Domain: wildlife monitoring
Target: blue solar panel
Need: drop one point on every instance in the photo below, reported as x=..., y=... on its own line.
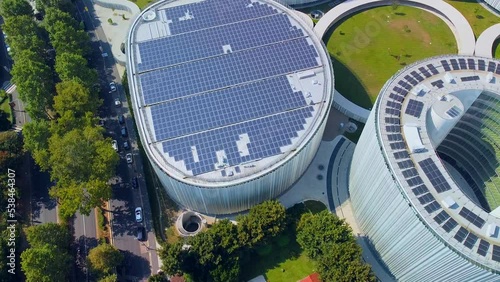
x=209, y=42
x=210, y=13
x=223, y=71
x=231, y=105
x=266, y=136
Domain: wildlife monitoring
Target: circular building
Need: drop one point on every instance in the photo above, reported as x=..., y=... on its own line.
x=231, y=98
x=425, y=175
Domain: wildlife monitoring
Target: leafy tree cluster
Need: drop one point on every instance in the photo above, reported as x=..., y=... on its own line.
x=329, y=241
x=103, y=261
x=47, y=259
x=31, y=71
x=215, y=255
x=68, y=144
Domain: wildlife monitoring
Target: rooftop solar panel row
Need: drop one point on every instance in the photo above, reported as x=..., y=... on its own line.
x=471, y=217
x=435, y=177
x=222, y=71
x=209, y=13
x=204, y=43
x=231, y=105
x=266, y=137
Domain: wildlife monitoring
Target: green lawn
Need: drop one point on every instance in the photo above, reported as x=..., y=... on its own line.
x=283, y=259
x=7, y=109
x=496, y=49
x=142, y=3
x=478, y=17
x=366, y=53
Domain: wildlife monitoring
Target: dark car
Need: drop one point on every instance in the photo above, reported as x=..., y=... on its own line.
x=126, y=145
x=135, y=182
x=124, y=131
x=141, y=233
x=121, y=119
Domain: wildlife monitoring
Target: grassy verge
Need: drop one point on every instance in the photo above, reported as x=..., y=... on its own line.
x=5, y=107
x=282, y=259
x=142, y=3
x=496, y=49
x=478, y=17
x=365, y=53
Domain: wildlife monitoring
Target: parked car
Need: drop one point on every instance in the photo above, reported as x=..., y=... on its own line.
x=138, y=214
x=141, y=233
x=126, y=146
x=129, y=158
x=124, y=131
x=112, y=87
x=135, y=182
x=121, y=119
x=118, y=103
x=114, y=144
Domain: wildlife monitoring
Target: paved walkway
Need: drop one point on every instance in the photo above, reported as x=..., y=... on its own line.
x=484, y=44
x=122, y=13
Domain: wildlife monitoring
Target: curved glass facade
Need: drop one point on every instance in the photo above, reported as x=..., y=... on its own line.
x=473, y=148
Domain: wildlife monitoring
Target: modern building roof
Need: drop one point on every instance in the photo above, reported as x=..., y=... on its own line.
x=226, y=90
x=430, y=98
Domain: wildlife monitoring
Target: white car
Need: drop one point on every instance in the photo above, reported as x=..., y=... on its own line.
x=129, y=159
x=112, y=87
x=114, y=144
x=138, y=214
x=118, y=103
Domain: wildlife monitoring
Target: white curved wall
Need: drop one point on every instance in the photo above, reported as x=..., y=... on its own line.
x=236, y=198
x=408, y=246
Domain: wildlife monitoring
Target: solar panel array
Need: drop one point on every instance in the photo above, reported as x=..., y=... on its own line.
x=204, y=43
x=435, y=177
x=472, y=217
x=414, y=108
x=227, y=70
x=216, y=87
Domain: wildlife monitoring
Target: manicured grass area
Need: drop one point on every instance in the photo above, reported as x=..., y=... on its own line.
x=4, y=106
x=142, y=3
x=478, y=17
x=283, y=259
x=371, y=46
x=496, y=49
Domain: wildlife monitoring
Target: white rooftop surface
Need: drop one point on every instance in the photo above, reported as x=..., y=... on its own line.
x=452, y=200
x=313, y=83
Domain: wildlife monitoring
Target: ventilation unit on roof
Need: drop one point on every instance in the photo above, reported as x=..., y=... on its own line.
x=149, y=16
x=492, y=230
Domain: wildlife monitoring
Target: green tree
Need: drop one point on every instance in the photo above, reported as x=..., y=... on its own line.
x=104, y=258
x=12, y=8
x=35, y=84
x=24, y=34
x=48, y=233
x=67, y=39
x=74, y=97
x=172, y=258
x=263, y=222
x=316, y=230
x=160, y=277
x=110, y=278
x=70, y=66
x=342, y=263
x=81, y=161
x=62, y=5
x=45, y=264
x=36, y=140
x=11, y=147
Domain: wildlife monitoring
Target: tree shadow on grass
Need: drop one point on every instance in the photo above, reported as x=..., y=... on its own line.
x=348, y=84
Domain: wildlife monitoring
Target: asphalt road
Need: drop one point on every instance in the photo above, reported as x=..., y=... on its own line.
x=140, y=257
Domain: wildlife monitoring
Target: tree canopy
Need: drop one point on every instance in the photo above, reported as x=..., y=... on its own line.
x=70, y=66
x=12, y=8
x=48, y=233
x=265, y=220
x=73, y=97
x=45, y=264
x=104, y=259
x=330, y=242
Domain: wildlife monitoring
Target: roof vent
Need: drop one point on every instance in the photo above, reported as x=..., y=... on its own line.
x=449, y=202
x=149, y=16
x=492, y=230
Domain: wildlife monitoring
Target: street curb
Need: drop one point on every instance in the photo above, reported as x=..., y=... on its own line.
x=110, y=216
